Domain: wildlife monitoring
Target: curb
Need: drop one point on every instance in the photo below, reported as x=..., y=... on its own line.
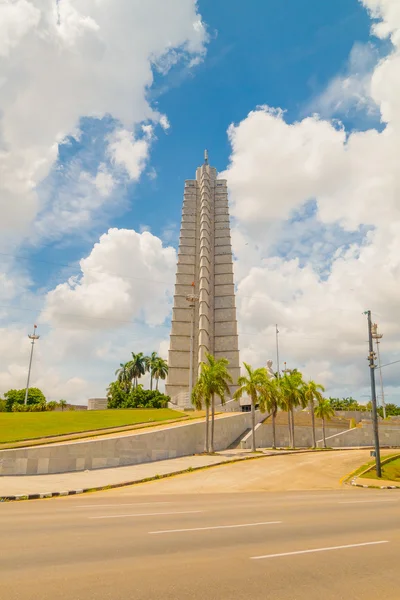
x=39, y=496
x=374, y=487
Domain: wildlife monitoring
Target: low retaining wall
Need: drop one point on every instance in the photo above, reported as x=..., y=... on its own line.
x=364, y=436
x=141, y=447
x=302, y=435
x=229, y=406
x=357, y=415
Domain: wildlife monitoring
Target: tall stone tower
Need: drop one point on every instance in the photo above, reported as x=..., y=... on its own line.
x=204, y=313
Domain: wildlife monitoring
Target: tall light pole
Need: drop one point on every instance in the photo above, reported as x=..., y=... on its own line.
x=192, y=299
x=377, y=337
x=32, y=337
x=371, y=360
x=277, y=350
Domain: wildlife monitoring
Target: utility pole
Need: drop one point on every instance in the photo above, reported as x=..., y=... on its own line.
x=32, y=337
x=377, y=337
x=277, y=350
x=371, y=360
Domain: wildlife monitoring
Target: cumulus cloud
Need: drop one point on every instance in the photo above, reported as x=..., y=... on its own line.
x=129, y=153
x=16, y=19
x=276, y=169
x=62, y=61
x=119, y=303
x=388, y=14
x=128, y=275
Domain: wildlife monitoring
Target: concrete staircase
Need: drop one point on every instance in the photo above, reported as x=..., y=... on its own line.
x=237, y=443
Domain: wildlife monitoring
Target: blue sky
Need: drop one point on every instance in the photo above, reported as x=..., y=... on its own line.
x=313, y=200
x=263, y=53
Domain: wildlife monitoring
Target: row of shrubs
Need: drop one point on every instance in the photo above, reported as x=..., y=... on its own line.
x=136, y=397
x=14, y=401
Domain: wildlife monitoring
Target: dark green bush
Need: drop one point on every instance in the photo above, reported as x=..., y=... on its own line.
x=35, y=397
x=135, y=398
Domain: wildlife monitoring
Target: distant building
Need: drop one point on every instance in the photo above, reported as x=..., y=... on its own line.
x=73, y=406
x=97, y=403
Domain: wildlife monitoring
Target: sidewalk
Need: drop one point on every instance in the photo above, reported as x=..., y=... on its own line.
x=45, y=486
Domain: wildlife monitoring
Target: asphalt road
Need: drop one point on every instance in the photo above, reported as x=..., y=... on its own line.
x=338, y=544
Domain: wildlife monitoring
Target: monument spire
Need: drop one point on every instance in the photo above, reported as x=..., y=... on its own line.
x=204, y=312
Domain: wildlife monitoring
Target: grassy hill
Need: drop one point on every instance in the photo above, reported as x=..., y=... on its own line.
x=390, y=470
x=27, y=426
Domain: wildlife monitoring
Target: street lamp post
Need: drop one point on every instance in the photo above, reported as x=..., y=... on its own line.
x=32, y=337
x=371, y=360
x=277, y=350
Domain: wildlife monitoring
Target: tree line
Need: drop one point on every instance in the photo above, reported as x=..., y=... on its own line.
x=127, y=392
x=268, y=393
x=14, y=401
x=392, y=410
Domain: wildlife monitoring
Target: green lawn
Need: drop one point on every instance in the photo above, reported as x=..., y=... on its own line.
x=390, y=471
x=24, y=426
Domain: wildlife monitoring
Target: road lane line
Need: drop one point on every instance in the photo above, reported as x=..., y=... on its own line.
x=184, y=512
x=216, y=527
x=368, y=501
x=116, y=505
x=318, y=550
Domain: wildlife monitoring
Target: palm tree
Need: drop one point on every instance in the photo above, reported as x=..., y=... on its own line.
x=150, y=362
x=271, y=400
x=291, y=385
x=250, y=385
x=213, y=381
x=136, y=367
x=63, y=404
x=123, y=376
x=159, y=370
x=323, y=411
x=312, y=392
x=200, y=395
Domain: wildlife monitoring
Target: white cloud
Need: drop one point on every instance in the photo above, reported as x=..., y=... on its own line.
x=62, y=61
x=128, y=275
x=129, y=153
x=289, y=163
x=16, y=19
x=388, y=14
x=275, y=169
x=165, y=124
x=104, y=181
x=93, y=321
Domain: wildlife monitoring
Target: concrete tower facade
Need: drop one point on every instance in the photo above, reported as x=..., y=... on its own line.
x=204, y=313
